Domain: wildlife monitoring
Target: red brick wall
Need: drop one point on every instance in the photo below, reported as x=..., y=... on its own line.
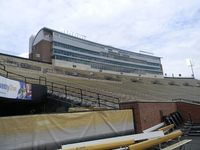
x=146, y=114
x=185, y=109
x=44, y=49
x=150, y=113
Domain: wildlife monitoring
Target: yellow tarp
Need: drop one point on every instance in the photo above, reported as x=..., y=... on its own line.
x=49, y=131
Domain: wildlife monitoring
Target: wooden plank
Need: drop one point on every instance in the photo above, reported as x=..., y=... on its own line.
x=156, y=127
x=103, y=146
x=134, y=137
x=176, y=145
x=145, y=136
x=155, y=141
x=166, y=128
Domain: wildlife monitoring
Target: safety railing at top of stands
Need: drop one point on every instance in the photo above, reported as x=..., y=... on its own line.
x=186, y=100
x=19, y=77
x=101, y=100
x=84, y=95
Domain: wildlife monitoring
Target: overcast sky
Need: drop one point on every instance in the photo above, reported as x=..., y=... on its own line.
x=167, y=28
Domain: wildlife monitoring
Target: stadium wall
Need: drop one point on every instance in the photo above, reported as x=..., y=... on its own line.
x=148, y=114
x=189, y=111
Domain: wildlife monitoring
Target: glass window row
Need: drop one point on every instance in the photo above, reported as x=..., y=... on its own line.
x=127, y=58
x=102, y=66
x=108, y=55
x=75, y=48
x=71, y=54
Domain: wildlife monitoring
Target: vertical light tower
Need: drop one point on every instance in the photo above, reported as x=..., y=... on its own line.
x=189, y=63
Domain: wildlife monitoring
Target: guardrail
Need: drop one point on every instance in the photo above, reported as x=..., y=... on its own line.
x=69, y=92
x=82, y=95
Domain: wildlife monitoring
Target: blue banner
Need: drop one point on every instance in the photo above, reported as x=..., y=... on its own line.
x=15, y=89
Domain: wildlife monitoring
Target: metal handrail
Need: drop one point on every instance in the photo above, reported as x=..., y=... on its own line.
x=70, y=90
x=79, y=93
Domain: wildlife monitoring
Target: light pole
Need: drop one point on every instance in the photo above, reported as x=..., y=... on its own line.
x=189, y=63
x=192, y=68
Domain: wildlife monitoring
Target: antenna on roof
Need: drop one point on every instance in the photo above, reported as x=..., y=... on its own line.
x=145, y=52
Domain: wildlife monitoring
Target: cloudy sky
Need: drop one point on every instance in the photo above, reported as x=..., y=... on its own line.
x=167, y=28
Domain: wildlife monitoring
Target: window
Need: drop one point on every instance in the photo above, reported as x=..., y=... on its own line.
x=103, y=63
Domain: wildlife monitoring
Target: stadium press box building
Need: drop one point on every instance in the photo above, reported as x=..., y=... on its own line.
x=65, y=50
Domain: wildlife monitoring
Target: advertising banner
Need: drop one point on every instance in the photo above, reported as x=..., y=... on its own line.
x=15, y=89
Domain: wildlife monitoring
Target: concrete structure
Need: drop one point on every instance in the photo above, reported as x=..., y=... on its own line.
x=65, y=50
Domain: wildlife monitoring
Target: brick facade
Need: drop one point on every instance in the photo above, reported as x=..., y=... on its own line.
x=43, y=48
x=187, y=110
x=148, y=114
